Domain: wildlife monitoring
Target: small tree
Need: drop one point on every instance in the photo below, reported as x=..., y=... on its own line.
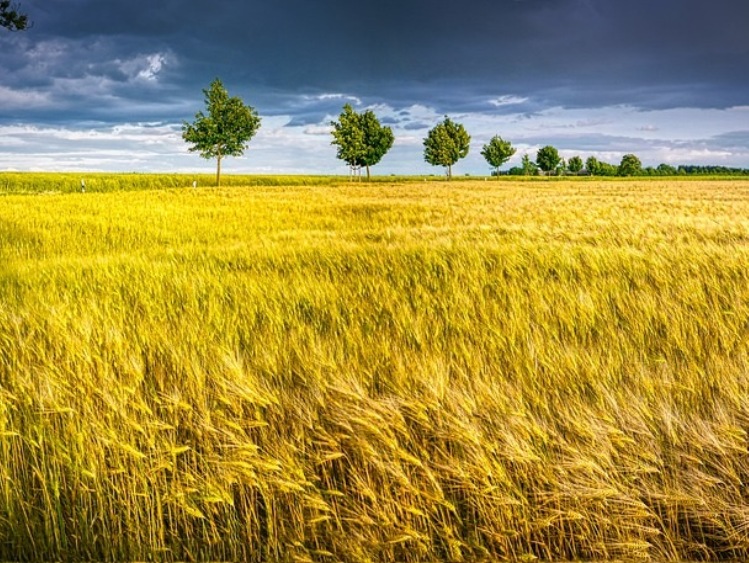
x=10, y=18
x=548, y=159
x=529, y=167
x=666, y=170
x=361, y=139
x=592, y=166
x=349, y=136
x=607, y=169
x=630, y=165
x=225, y=131
x=497, y=152
x=575, y=164
x=445, y=144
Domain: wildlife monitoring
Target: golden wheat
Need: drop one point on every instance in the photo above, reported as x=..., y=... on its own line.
x=388, y=372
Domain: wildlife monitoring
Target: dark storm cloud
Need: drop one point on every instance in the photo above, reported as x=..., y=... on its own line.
x=452, y=55
x=733, y=140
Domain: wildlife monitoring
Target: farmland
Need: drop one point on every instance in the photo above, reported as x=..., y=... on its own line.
x=396, y=371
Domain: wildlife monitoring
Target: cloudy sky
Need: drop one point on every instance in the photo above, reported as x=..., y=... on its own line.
x=105, y=85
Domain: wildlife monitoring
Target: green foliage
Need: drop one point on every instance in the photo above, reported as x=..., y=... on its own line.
x=592, y=165
x=348, y=135
x=529, y=167
x=711, y=170
x=597, y=168
x=361, y=139
x=575, y=164
x=666, y=170
x=630, y=165
x=10, y=18
x=497, y=152
x=225, y=131
x=548, y=158
x=445, y=144
x=607, y=169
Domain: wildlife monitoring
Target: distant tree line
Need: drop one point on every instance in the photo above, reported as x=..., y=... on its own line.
x=548, y=163
x=362, y=141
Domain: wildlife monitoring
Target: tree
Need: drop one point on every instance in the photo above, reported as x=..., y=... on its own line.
x=666, y=170
x=606, y=169
x=575, y=164
x=10, y=18
x=630, y=165
x=548, y=159
x=445, y=144
x=592, y=165
x=497, y=152
x=349, y=136
x=361, y=139
x=529, y=167
x=225, y=131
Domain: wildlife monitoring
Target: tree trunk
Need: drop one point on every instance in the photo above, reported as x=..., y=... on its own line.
x=449, y=171
x=218, y=171
x=367, y=172
x=497, y=172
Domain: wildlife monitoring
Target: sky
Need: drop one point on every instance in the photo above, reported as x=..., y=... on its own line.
x=105, y=85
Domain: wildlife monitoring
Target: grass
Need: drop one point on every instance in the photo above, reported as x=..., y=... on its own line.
x=385, y=372
x=46, y=182
x=100, y=182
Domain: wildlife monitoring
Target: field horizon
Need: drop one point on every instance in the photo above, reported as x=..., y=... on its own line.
x=31, y=182
x=319, y=370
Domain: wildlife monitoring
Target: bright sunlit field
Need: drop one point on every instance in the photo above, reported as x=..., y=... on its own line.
x=413, y=371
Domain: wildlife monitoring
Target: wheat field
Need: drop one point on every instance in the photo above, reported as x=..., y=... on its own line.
x=406, y=371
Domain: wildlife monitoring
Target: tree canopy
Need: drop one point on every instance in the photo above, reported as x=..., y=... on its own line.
x=11, y=18
x=497, y=152
x=225, y=131
x=666, y=170
x=361, y=139
x=529, y=167
x=630, y=165
x=575, y=164
x=548, y=158
x=445, y=144
x=592, y=165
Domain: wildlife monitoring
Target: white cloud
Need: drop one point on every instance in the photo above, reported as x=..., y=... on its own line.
x=155, y=64
x=507, y=100
x=143, y=67
x=317, y=130
x=124, y=147
x=22, y=99
x=691, y=155
x=336, y=96
x=685, y=136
